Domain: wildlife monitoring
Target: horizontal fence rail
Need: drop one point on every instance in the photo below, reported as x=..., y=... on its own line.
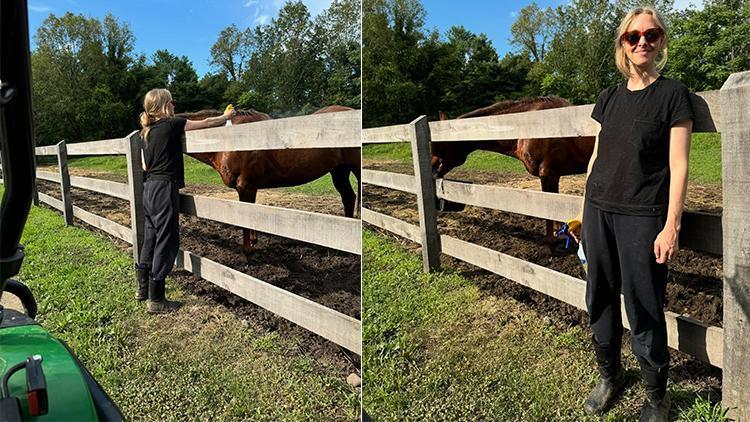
x=335, y=232
x=685, y=334
x=115, y=189
x=326, y=130
x=700, y=231
x=552, y=123
x=323, y=321
x=327, y=323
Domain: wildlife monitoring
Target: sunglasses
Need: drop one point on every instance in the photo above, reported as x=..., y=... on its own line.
x=173, y=102
x=652, y=35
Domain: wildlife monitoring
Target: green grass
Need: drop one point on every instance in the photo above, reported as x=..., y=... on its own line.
x=705, y=158
x=199, y=173
x=435, y=349
x=200, y=361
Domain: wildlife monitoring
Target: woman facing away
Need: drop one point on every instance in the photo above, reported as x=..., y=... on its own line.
x=633, y=203
x=163, y=177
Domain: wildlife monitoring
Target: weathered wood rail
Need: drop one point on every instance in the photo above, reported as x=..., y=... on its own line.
x=726, y=111
x=319, y=131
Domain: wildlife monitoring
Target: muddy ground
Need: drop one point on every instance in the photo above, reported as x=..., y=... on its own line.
x=326, y=276
x=695, y=278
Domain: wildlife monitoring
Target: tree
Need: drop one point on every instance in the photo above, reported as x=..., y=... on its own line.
x=533, y=30
x=710, y=44
x=340, y=29
x=80, y=79
x=232, y=51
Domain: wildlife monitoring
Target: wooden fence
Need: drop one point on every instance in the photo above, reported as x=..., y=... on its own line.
x=726, y=111
x=316, y=131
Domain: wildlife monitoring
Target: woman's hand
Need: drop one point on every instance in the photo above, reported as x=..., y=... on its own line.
x=229, y=112
x=666, y=245
x=574, y=228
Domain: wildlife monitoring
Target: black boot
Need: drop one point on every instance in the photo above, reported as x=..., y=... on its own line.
x=157, y=303
x=656, y=408
x=141, y=278
x=611, y=380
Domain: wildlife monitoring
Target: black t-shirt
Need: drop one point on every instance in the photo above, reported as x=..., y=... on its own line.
x=163, y=150
x=631, y=171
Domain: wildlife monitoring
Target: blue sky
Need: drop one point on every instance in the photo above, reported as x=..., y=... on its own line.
x=186, y=28
x=491, y=17
x=190, y=27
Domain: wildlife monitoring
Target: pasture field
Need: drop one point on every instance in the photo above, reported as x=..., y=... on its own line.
x=201, y=361
x=195, y=173
x=705, y=158
x=436, y=347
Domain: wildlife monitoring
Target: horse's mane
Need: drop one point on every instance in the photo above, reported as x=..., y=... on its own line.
x=518, y=106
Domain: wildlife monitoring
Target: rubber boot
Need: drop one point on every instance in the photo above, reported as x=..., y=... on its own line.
x=141, y=278
x=157, y=303
x=658, y=403
x=611, y=380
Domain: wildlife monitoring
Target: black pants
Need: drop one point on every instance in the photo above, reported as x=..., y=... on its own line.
x=620, y=253
x=161, y=238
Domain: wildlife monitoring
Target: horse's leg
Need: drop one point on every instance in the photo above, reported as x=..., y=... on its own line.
x=340, y=177
x=550, y=184
x=249, y=237
x=358, y=205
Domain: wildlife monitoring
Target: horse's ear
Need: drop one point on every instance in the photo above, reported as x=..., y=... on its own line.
x=442, y=115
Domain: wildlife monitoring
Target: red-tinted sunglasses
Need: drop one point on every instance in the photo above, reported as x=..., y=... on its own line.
x=173, y=102
x=652, y=35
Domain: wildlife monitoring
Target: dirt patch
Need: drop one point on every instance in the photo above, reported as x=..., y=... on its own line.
x=326, y=276
x=695, y=278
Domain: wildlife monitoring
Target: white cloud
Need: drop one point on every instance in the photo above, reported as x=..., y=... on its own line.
x=250, y=3
x=39, y=9
x=260, y=20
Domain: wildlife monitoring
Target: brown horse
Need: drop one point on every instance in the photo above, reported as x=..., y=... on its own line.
x=548, y=159
x=248, y=171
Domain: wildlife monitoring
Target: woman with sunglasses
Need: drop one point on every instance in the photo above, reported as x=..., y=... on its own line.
x=163, y=177
x=633, y=202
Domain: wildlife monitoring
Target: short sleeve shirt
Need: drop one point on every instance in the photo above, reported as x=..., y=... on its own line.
x=631, y=171
x=163, y=151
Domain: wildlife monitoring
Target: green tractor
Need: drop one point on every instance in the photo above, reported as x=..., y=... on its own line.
x=40, y=377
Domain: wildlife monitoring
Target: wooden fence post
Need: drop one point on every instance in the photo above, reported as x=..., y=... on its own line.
x=133, y=150
x=422, y=158
x=34, y=189
x=735, y=151
x=62, y=163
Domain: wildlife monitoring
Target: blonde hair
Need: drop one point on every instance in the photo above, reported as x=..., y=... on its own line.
x=154, y=109
x=621, y=58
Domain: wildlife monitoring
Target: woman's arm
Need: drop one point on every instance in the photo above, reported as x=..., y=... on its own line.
x=576, y=232
x=666, y=243
x=210, y=122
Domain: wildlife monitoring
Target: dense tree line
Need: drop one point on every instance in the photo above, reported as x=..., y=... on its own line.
x=566, y=51
x=88, y=83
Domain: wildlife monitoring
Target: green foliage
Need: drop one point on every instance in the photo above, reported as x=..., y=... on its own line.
x=710, y=44
x=409, y=71
x=88, y=84
x=567, y=51
x=82, y=86
x=294, y=64
x=703, y=410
